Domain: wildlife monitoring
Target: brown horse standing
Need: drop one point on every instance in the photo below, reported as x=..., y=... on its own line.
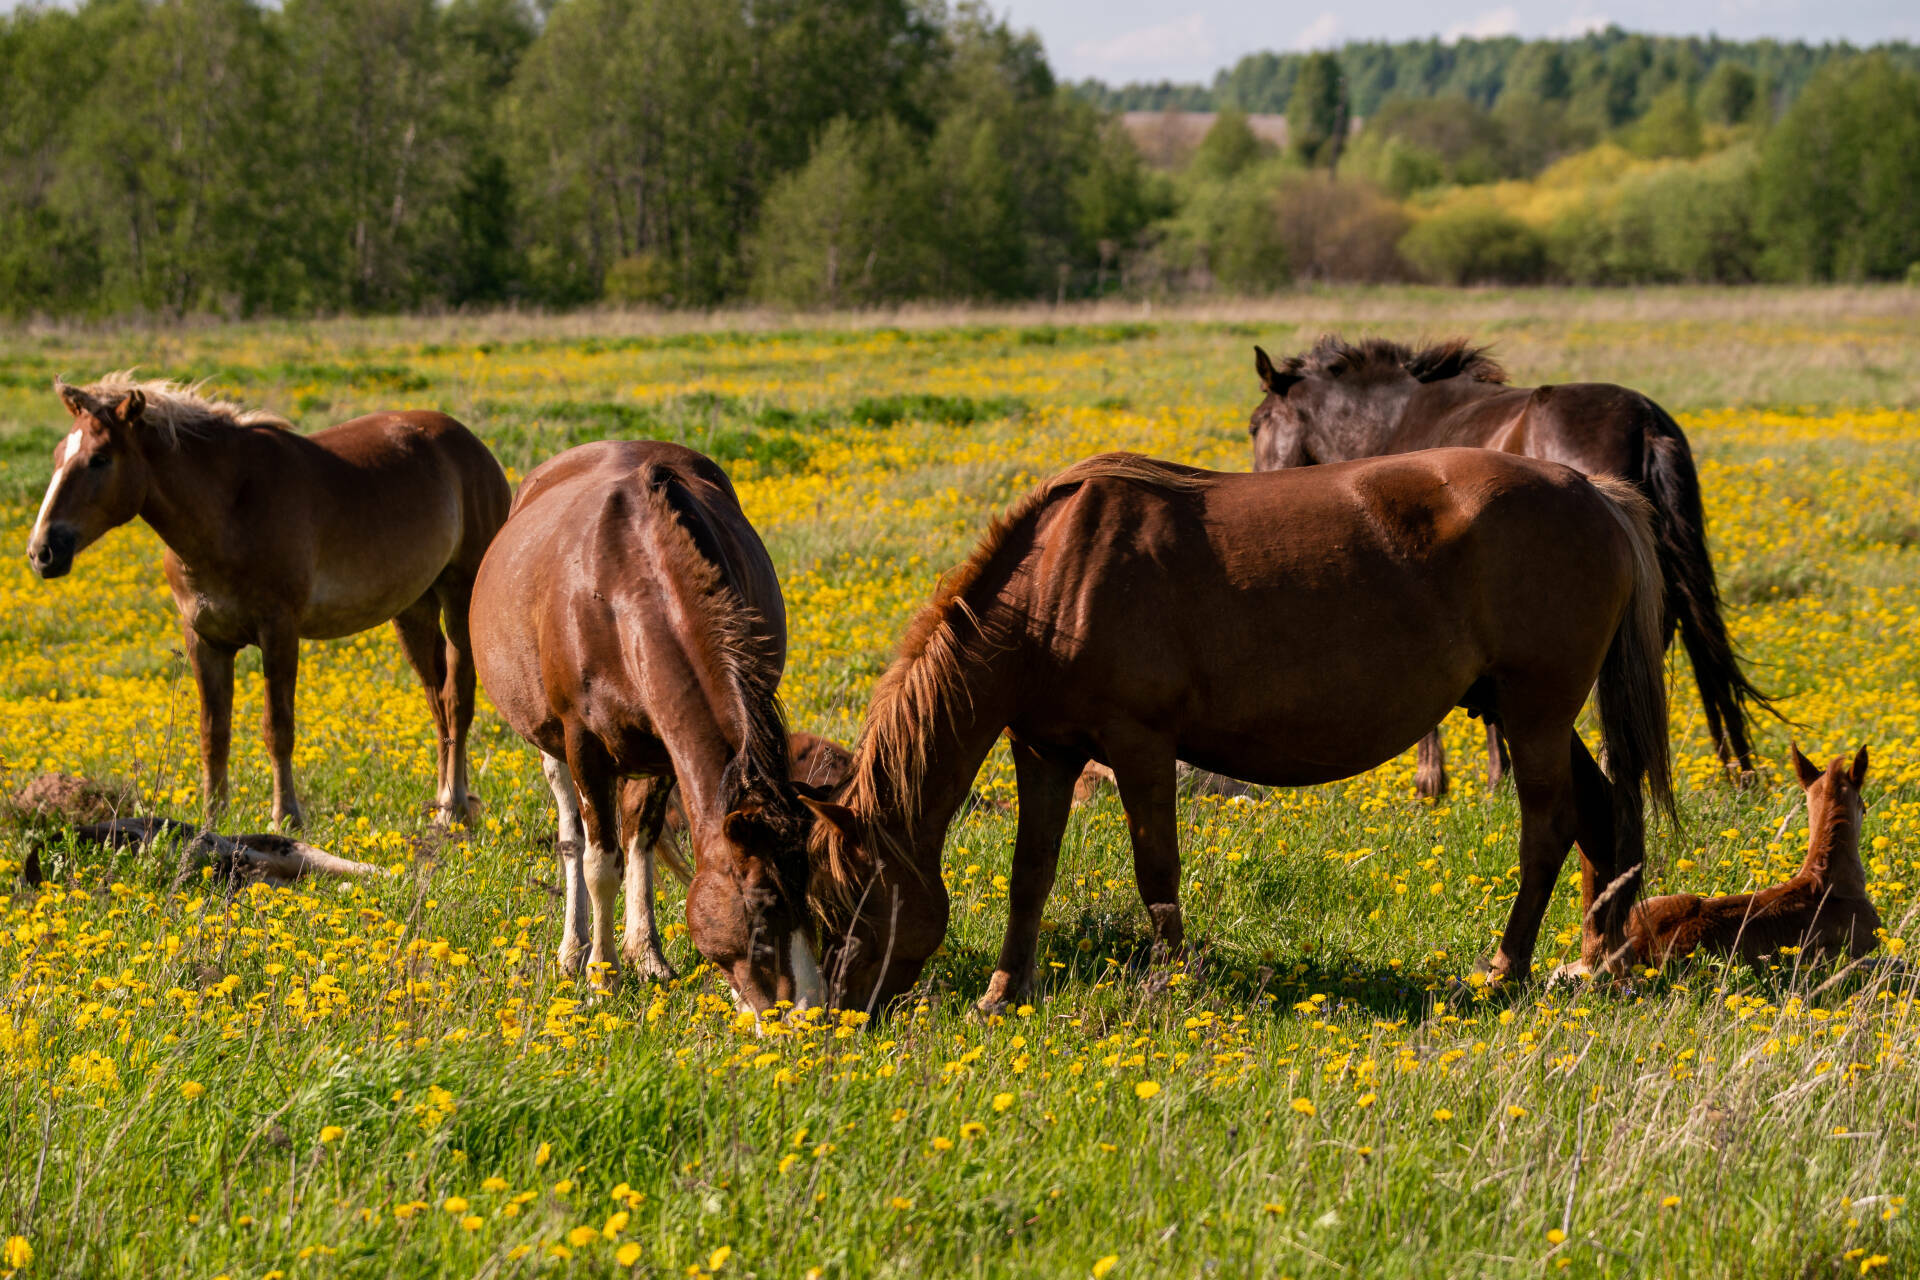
x=273, y=537
x=1343, y=400
x=1289, y=628
x=627, y=621
x=1824, y=908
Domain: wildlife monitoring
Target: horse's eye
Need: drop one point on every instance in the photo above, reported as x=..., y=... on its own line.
x=99, y=460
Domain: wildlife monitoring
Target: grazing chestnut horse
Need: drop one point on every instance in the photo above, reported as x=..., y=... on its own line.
x=273, y=537
x=812, y=761
x=1343, y=400
x=1289, y=628
x=627, y=622
x=1823, y=909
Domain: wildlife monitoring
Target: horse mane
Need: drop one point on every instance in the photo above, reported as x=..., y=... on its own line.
x=928, y=675
x=1333, y=357
x=758, y=774
x=178, y=409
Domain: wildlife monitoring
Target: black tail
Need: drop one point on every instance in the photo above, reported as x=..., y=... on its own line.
x=1693, y=597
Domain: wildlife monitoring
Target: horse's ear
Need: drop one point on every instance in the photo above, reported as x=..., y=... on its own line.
x=73, y=397
x=128, y=411
x=1272, y=380
x=1859, y=771
x=1808, y=771
x=837, y=816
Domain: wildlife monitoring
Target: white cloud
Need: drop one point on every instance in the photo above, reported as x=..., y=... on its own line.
x=1188, y=39
x=1494, y=22
x=1318, y=34
x=1579, y=25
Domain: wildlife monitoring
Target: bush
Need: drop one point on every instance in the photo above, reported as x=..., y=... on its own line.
x=1340, y=230
x=1474, y=244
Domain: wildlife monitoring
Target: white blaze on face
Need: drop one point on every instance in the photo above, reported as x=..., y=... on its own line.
x=809, y=988
x=63, y=455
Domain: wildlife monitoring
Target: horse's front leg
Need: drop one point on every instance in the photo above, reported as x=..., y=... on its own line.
x=280, y=666
x=1549, y=819
x=457, y=698
x=640, y=831
x=1430, y=769
x=1045, y=784
x=1145, y=772
x=213, y=675
x=598, y=788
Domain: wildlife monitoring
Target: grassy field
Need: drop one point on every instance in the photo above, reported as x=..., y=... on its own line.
x=389, y=1078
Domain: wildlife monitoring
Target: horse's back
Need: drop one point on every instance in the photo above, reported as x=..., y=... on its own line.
x=583, y=557
x=1597, y=428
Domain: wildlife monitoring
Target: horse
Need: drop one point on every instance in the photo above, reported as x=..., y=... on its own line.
x=628, y=622
x=1823, y=909
x=812, y=761
x=1289, y=628
x=1341, y=400
x=273, y=537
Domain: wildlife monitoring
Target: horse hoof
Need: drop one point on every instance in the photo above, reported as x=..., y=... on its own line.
x=650, y=966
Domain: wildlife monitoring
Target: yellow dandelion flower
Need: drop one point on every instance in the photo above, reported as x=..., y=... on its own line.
x=1442, y=1115
x=456, y=1205
x=1670, y=1202
x=544, y=1154
x=972, y=1129
x=472, y=1222
x=1146, y=1089
x=17, y=1253
x=581, y=1237
x=1366, y=1099
x=1556, y=1236
x=192, y=1089
x=627, y=1254
x=901, y=1203
x=1103, y=1265
x=1001, y=1101
x=1516, y=1113
x=331, y=1133
x=1304, y=1106
x=718, y=1258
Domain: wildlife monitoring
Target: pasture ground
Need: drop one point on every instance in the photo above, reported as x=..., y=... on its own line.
x=387, y=1078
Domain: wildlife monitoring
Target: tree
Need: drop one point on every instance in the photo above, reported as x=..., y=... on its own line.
x=1671, y=127
x=1230, y=146
x=1317, y=112
x=1730, y=95
x=1839, y=183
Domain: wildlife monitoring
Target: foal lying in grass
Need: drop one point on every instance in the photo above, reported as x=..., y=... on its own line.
x=1822, y=909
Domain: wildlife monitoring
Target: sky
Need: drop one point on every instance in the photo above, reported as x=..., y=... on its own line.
x=1188, y=40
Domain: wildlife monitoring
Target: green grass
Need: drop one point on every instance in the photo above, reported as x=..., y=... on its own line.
x=1304, y=1054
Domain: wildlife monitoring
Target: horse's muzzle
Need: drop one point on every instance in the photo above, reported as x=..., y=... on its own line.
x=53, y=557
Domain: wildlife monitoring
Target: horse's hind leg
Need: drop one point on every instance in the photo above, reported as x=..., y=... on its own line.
x=571, y=846
x=456, y=693
x=418, y=629
x=1046, y=783
x=1145, y=773
x=639, y=832
x=1607, y=888
x=1430, y=771
x=213, y=675
x=280, y=667
x=1543, y=778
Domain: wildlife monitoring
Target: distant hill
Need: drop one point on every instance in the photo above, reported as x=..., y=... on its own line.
x=1612, y=75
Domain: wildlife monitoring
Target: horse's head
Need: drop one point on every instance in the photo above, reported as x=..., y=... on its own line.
x=1340, y=400
x=1835, y=809
x=747, y=907
x=880, y=917
x=99, y=479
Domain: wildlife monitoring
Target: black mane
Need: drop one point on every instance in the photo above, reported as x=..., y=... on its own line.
x=1333, y=357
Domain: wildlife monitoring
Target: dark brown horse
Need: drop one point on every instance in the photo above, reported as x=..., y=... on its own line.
x=627, y=622
x=273, y=537
x=1343, y=400
x=1290, y=629
x=812, y=761
x=1823, y=909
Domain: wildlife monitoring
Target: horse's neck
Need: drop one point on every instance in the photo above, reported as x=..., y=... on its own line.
x=1833, y=856
x=958, y=740
x=189, y=496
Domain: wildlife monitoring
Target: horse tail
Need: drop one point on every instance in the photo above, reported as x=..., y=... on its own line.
x=1692, y=596
x=1632, y=690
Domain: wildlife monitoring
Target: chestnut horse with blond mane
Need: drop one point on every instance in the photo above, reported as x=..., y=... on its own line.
x=273, y=537
x=1289, y=628
x=628, y=623
x=1823, y=909
x=1344, y=400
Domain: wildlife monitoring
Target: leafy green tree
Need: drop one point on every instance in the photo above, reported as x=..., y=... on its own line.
x=1730, y=94
x=1317, y=111
x=1839, y=180
x=1670, y=127
x=1230, y=146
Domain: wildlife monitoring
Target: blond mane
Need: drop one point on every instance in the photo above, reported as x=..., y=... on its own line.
x=176, y=408
x=928, y=678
